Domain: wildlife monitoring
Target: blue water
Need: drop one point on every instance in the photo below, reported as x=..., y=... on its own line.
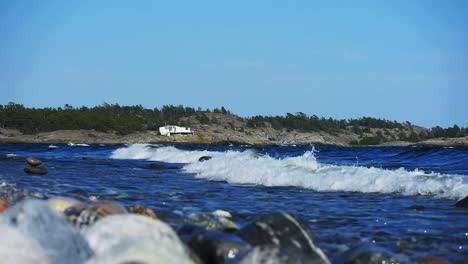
x=400, y=198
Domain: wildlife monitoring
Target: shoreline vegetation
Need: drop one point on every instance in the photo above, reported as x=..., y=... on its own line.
x=115, y=124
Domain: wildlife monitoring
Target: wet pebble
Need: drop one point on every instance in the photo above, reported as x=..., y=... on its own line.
x=33, y=161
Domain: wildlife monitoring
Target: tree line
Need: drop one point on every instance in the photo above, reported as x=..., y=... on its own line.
x=127, y=119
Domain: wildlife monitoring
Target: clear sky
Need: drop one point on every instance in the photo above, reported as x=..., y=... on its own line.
x=399, y=60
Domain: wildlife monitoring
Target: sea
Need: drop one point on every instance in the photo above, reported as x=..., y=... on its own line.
x=399, y=198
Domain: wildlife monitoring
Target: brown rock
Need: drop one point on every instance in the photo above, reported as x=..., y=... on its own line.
x=138, y=209
x=86, y=215
x=35, y=170
x=33, y=161
x=3, y=206
x=430, y=260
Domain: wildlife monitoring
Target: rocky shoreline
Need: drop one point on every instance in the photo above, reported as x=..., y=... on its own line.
x=210, y=135
x=40, y=229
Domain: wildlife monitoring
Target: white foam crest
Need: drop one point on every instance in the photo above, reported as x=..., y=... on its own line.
x=302, y=171
x=305, y=172
x=165, y=154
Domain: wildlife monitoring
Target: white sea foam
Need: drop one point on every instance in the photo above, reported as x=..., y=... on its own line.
x=165, y=154
x=302, y=171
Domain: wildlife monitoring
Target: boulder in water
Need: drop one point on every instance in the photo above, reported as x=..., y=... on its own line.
x=266, y=254
x=35, y=170
x=204, y=158
x=370, y=253
x=463, y=203
x=212, y=246
x=33, y=161
x=59, y=239
x=15, y=247
x=288, y=233
x=134, y=238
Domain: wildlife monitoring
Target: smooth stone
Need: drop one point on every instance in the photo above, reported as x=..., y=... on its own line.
x=204, y=158
x=212, y=246
x=35, y=170
x=117, y=234
x=463, y=203
x=138, y=209
x=138, y=251
x=33, y=161
x=60, y=204
x=211, y=222
x=15, y=247
x=288, y=233
x=371, y=254
x=35, y=219
x=265, y=255
x=93, y=213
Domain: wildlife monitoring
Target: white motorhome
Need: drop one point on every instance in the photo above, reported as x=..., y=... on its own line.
x=175, y=130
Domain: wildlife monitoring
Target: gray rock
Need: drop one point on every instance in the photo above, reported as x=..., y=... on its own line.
x=463, y=203
x=287, y=232
x=212, y=246
x=370, y=254
x=82, y=215
x=266, y=255
x=215, y=222
x=15, y=247
x=37, y=220
x=134, y=238
x=215, y=247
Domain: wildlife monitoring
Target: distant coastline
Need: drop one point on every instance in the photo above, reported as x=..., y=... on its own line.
x=115, y=124
x=208, y=137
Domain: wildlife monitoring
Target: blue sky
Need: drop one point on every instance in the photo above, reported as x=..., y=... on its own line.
x=399, y=60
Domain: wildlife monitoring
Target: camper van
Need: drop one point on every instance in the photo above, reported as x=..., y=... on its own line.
x=175, y=130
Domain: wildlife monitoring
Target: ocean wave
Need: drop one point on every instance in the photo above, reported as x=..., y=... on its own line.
x=164, y=154
x=246, y=167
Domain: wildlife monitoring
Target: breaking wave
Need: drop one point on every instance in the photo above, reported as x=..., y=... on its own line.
x=246, y=167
